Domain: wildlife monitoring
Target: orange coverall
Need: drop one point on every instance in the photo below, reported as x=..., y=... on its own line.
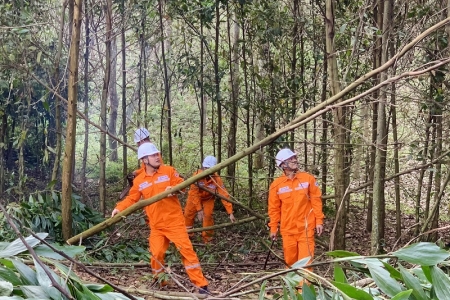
x=199, y=199
x=166, y=221
x=296, y=205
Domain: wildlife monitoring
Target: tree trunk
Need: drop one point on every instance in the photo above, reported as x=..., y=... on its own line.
x=217, y=85
x=124, y=98
x=378, y=216
x=69, y=151
x=3, y=129
x=202, y=95
x=86, y=106
x=167, y=101
x=102, y=158
x=56, y=86
x=337, y=241
x=113, y=101
x=234, y=84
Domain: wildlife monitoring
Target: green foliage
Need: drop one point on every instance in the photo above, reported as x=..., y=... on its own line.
x=41, y=212
x=19, y=281
x=392, y=279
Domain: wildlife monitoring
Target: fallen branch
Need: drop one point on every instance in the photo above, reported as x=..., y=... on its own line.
x=223, y=225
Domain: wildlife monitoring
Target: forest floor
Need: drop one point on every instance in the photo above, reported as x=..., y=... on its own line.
x=237, y=256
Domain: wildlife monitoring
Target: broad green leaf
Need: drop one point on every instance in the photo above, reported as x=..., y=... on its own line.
x=352, y=291
x=413, y=283
x=99, y=288
x=402, y=295
x=394, y=272
x=115, y=296
x=6, y=288
x=427, y=272
x=46, y=283
x=307, y=293
x=10, y=276
x=66, y=271
x=441, y=283
x=384, y=281
x=341, y=253
x=27, y=274
x=424, y=254
x=17, y=246
x=301, y=263
x=35, y=292
x=339, y=275
x=289, y=287
x=71, y=251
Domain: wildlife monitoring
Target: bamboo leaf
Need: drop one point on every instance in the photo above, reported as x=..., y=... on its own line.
x=339, y=275
x=10, y=276
x=27, y=274
x=441, y=283
x=424, y=254
x=34, y=292
x=307, y=293
x=341, y=253
x=17, y=246
x=384, y=281
x=46, y=283
x=45, y=251
x=351, y=291
x=413, y=283
x=301, y=263
x=402, y=295
x=99, y=288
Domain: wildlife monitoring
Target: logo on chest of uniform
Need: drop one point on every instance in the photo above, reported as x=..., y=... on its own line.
x=302, y=185
x=211, y=186
x=144, y=185
x=284, y=189
x=162, y=178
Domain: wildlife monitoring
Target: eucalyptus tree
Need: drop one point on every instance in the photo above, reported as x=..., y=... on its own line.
x=341, y=173
x=69, y=150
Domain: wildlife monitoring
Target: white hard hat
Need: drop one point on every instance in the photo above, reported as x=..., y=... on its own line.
x=147, y=149
x=140, y=134
x=209, y=162
x=283, y=155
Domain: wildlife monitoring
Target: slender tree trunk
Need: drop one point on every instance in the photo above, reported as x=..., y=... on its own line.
x=294, y=84
x=421, y=176
x=113, y=101
x=102, y=175
x=167, y=100
x=249, y=116
x=58, y=127
x=217, y=84
x=124, y=97
x=376, y=63
x=378, y=217
x=3, y=129
x=202, y=102
x=340, y=171
x=86, y=104
x=69, y=151
x=234, y=82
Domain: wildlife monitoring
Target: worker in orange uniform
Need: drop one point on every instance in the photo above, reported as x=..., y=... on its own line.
x=201, y=202
x=166, y=216
x=295, y=205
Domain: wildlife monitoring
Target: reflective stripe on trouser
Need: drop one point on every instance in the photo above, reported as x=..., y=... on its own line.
x=159, y=242
x=208, y=220
x=298, y=246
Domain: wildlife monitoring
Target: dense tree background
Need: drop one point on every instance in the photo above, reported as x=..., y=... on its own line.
x=215, y=77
